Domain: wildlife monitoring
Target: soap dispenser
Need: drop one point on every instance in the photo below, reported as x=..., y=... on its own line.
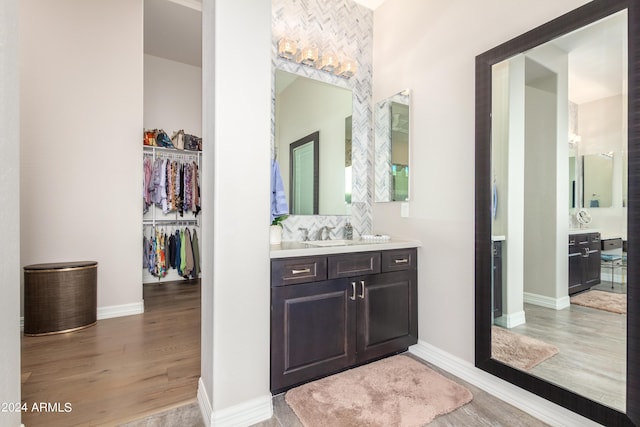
x=348, y=231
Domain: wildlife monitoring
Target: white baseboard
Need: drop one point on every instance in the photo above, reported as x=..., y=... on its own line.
x=205, y=404
x=530, y=403
x=511, y=320
x=244, y=414
x=111, y=311
x=548, y=302
x=120, y=310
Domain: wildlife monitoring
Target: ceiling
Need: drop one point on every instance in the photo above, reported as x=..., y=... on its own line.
x=173, y=30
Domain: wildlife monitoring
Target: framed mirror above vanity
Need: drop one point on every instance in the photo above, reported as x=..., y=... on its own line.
x=313, y=128
x=391, y=122
x=556, y=105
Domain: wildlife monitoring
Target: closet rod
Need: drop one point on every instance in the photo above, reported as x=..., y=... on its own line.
x=168, y=221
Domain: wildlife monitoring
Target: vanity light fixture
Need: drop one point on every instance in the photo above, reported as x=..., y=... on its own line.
x=574, y=138
x=347, y=68
x=287, y=49
x=308, y=56
x=311, y=56
x=329, y=62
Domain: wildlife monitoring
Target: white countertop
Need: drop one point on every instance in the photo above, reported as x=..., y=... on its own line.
x=295, y=249
x=583, y=230
x=498, y=238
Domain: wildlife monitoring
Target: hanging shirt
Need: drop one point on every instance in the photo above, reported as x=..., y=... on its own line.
x=196, y=254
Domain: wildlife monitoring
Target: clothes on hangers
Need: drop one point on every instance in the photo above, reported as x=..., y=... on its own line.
x=172, y=185
x=177, y=250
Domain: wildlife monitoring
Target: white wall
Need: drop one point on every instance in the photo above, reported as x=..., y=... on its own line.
x=172, y=96
x=81, y=139
x=430, y=47
x=9, y=212
x=235, y=278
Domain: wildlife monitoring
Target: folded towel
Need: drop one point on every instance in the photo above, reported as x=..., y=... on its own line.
x=279, y=204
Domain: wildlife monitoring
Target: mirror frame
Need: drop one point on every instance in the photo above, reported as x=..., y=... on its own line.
x=584, y=15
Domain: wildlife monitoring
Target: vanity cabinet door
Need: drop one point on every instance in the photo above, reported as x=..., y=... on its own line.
x=387, y=313
x=584, y=261
x=592, y=264
x=312, y=331
x=497, y=279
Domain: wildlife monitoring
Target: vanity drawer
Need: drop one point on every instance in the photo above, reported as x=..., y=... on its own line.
x=400, y=259
x=291, y=271
x=608, y=244
x=350, y=265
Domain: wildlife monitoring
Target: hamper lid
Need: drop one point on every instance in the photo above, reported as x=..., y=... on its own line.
x=60, y=265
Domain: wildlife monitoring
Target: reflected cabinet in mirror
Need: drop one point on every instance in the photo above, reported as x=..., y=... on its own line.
x=313, y=144
x=557, y=304
x=391, y=122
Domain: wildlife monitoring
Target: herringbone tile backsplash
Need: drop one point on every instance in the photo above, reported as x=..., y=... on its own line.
x=344, y=27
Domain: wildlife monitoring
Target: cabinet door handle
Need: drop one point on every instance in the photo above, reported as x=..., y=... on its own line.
x=353, y=294
x=306, y=270
x=362, y=291
x=401, y=261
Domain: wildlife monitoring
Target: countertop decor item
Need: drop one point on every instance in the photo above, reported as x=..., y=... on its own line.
x=275, y=236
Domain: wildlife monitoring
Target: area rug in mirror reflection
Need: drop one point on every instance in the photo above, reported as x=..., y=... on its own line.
x=398, y=391
x=519, y=351
x=607, y=301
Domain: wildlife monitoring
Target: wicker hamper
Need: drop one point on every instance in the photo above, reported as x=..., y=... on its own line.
x=59, y=297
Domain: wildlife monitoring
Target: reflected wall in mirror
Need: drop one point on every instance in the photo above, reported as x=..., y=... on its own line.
x=391, y=121
x=597, y=176
x=304, y=106
x=559, y=92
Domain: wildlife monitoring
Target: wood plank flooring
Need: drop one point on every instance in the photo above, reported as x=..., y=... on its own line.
x=122, y=368
x=592, y=344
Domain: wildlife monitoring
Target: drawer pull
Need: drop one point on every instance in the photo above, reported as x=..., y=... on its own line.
x=353, y=294
x=401, y=261
x=306, y=270
x=362, y=291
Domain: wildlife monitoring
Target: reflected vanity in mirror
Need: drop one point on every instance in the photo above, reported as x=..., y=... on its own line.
x=391, y=122
x=561, y=91
x=313, y=144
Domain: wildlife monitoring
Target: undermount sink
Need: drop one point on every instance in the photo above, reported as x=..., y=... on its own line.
x=328, y=242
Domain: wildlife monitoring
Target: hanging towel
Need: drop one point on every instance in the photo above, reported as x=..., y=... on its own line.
x=279, y=204
x=494, y=203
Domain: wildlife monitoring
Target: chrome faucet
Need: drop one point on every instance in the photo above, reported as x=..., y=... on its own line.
x=305, y=234
x=321, y=233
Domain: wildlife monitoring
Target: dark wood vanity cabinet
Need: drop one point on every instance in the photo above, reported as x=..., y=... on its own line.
x=497, y=279
x=584, y=261
x=365, y=309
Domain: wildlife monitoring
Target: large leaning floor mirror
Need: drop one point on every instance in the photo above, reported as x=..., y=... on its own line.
x=557, y=216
